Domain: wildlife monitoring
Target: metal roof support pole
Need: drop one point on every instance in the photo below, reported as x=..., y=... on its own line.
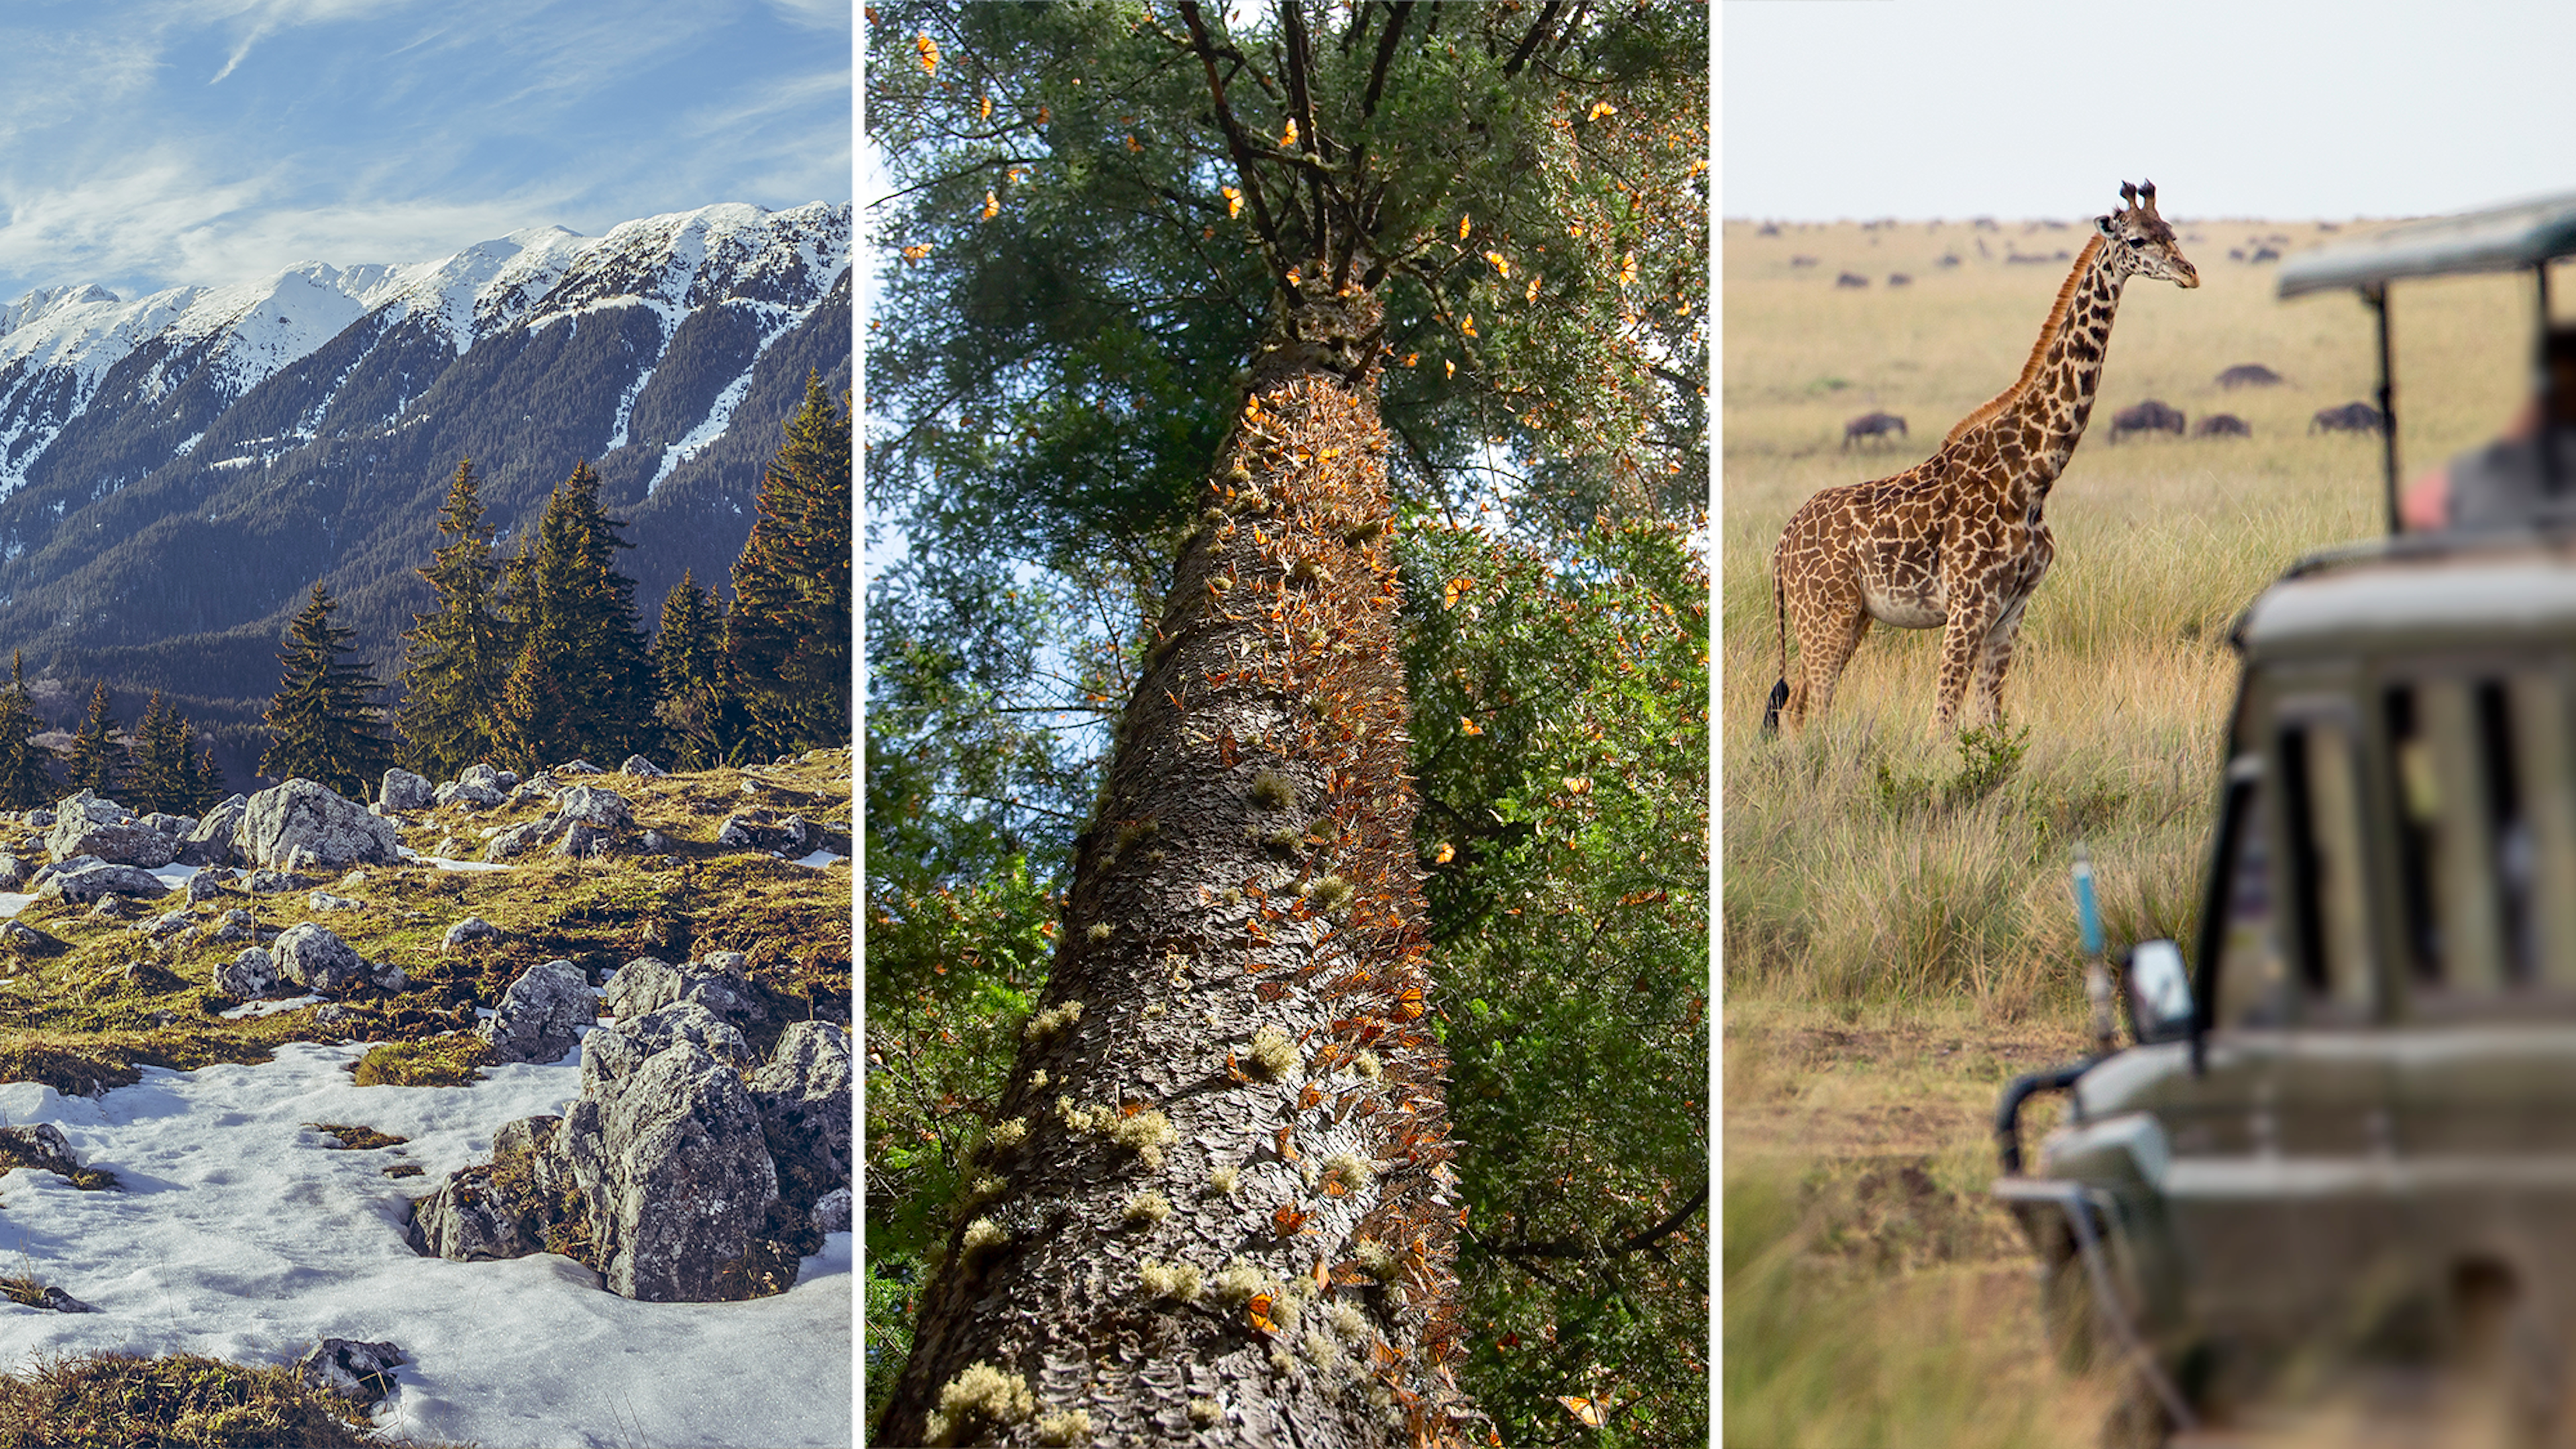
x=2377, y=297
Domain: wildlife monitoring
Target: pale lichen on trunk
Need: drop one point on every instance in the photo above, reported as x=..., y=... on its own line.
x=1216, y=1206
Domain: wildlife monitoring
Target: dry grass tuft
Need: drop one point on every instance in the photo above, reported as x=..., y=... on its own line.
x=182, y=1401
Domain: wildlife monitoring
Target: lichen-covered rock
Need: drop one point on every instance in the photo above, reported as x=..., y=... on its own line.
x=87, y=879
x=608, y=1056
x=403, y=790
x=804, y=1099
x=359, y=1372
x=537, y=1017
x=518, y=838
x=468, y=931
x=598, y=808
x=235, y=925
x=468, y=1219
x=641, y=768
x=248, y=976
x=303, y=824
x=677, y=1181
x=581, y=842
x=205, y=886
x=13, y=872
x=271, y=882
x=313, y=957
x=321, y=901
x=832, y=1212
x=760, y=830
x=210, y=841
x=641, y=985
x=88, y=825
x=25, y=940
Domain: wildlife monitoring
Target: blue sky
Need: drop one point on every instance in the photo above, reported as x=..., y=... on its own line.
x=2039, y=108
x=154, y=143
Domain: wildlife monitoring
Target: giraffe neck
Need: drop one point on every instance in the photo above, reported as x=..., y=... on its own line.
x=2032, y=427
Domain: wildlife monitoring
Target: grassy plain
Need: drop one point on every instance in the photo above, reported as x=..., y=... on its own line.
x=1897, y=929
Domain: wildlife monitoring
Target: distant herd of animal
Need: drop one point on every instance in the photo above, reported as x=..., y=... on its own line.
x=2154, y=416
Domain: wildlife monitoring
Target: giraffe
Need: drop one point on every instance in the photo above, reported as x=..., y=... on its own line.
x=1957, y=542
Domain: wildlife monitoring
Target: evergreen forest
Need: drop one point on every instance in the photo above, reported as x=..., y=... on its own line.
x=526, y=658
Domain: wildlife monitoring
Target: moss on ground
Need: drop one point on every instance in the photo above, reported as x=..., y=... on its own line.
x=445, y=1061
x=349, y=1137
x=183, y=1401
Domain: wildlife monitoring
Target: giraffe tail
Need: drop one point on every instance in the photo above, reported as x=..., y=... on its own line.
x=1780, y=689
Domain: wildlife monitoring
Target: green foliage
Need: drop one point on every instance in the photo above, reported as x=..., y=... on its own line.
x=207, y=785
x=457, y=656
x=323, y=724
x=1566, y=843
x=26, y=779
x=93, y=761
x=1989, y=755
x=583, y=681
x=951, y=973
x=787, y=637
x=448, y=1061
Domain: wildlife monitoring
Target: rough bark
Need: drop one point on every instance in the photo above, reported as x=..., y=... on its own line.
x=1235, y=1022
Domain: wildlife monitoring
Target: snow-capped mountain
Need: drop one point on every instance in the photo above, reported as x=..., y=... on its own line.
x=190, y=463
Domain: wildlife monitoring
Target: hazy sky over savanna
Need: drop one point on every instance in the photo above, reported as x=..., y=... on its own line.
x=2038, y=108
x=153, y=143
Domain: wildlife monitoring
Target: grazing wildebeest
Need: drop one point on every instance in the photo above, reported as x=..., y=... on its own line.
x=1851, y=279
x=2222, y=425
x=1899, y=279
x=2266, y=254
x=2249, y=374
x=1949, y=259
x=1958, y=542
x=1769, y=228
x=2150, y=416
x=1873, y=425
x=1802, y=261
x=2355, y=417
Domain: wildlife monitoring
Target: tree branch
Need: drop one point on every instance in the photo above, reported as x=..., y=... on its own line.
x=1241, y=149
x=1530, y=42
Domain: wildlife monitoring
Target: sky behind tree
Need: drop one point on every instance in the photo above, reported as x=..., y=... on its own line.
x=2029, y=108
x=146, y=144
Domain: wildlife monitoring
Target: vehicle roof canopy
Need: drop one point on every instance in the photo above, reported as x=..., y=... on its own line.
x=2500, y=238
x=2408, y=601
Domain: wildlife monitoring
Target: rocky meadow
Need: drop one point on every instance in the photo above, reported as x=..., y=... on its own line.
x=494, y=1110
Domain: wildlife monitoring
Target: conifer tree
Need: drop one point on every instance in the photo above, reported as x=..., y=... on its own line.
x=788, y=636
x=697, y=709
x=93, y=763
x=323, y=724
x=157, y=761
x=583, y=681
x=458, y=656
x=211, y=788
x=25, y=779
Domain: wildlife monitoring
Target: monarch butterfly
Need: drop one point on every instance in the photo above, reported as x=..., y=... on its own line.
x=1592, y=1412
x=1309, y=1097
x=1457, y=587
x=1287, y=1149
x=1288, y=1220
x=1408, y=1003
x=1445, y=854
x=1269, y=990
x=1258, y=1310
x=1233, y=1071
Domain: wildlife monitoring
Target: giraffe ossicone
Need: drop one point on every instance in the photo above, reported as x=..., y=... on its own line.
x=1959, y=541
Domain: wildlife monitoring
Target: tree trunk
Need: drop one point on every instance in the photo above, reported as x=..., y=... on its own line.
x=1217, y=1206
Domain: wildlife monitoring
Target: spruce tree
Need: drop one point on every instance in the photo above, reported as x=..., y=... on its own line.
x=25, y=779
x=697, y=708
x=210, y=786
x=788, y=635
x=583, y=681
x=458, y=656
x=323, y=724
x=157, y=761
x=93, y=763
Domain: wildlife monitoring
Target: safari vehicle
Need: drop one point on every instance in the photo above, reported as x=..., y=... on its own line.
x=2343, y=1138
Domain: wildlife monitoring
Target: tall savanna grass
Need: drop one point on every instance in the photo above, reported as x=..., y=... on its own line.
x=1868, y=864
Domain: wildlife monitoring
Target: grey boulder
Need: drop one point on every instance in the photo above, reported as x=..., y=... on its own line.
x=248, y=976
x=537, y=1017
x=467, y=931
x=301, y=823
x=359, y=1372
x=87, y=878
x=676, y=1179
x=403, y=790
x=88, y=825
x=210, y=841
x=314, y=958
x=804, y=1099
x=641, y=768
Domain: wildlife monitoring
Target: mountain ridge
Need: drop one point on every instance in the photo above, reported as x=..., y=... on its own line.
x=178, y=470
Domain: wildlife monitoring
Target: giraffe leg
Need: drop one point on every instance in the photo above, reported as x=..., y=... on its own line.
x=1963, y=639
x=1994, y=661
x=1825, y=646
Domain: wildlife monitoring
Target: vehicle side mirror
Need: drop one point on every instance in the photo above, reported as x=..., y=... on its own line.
x=2159, y=992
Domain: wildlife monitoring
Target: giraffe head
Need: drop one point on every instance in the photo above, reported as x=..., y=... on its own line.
x=2137, y=242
